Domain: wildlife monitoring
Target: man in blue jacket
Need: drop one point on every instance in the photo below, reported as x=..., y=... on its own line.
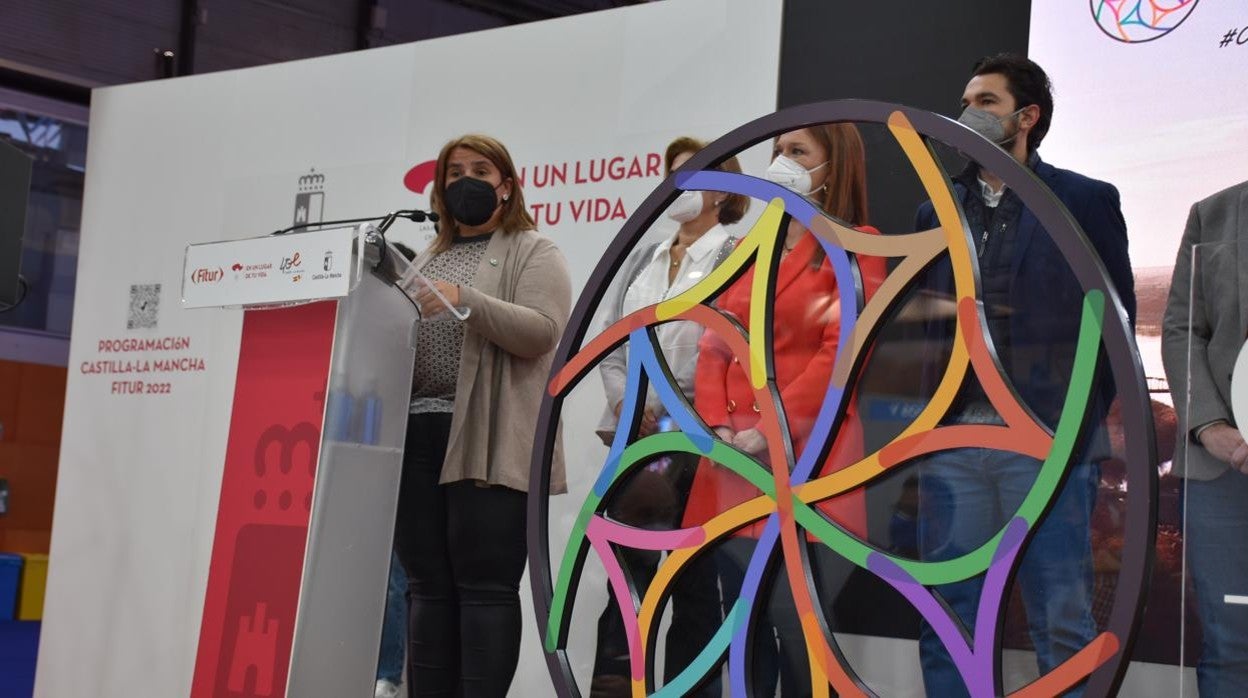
x=1032, y=304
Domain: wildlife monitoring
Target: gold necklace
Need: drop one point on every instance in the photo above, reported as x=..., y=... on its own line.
x=671, y=252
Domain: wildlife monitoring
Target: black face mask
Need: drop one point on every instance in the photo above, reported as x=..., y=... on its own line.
x=471, y=201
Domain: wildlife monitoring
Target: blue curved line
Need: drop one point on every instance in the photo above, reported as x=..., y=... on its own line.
x=749, y=592
x=705, y=661
x=1135, y=12
x=838, y=258
x=733, y=183
x=640, y=346
x=804, y=211
x=822, y=429
x=627, y=414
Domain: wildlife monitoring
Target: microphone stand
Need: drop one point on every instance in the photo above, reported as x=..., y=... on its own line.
x=413, y=215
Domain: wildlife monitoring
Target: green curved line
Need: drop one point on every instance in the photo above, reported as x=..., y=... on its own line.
x=642, y=450
x=927, y=573
x=1064, y=441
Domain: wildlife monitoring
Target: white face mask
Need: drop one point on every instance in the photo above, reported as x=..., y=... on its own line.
x=686, y=207
x=787, y=173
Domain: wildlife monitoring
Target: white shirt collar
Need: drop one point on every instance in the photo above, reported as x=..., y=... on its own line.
x=991, y=198
x=710, y=241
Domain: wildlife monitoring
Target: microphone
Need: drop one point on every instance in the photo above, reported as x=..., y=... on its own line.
x=417, y=216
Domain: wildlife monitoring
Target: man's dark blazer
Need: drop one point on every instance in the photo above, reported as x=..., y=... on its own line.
x=1045, y=299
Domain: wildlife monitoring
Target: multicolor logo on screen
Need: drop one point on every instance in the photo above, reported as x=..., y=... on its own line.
x=1137, y=21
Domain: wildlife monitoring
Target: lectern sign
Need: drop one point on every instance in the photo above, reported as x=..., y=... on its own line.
x=275, y=269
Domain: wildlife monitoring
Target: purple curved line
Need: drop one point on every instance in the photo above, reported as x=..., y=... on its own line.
x=822, y=428
x=974, y=662
x=925, y=602
x=804, y=211
x=749, y=592
x=807, y=461
x=643, y=539
x=994, y=585
x=753, y=187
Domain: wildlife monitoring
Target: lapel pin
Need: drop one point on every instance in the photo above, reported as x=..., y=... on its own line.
x=493, y=262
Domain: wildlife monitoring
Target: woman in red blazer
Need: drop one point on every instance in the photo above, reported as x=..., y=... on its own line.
x=827, y=164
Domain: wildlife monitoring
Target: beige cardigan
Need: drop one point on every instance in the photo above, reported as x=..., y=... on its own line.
x=520, y=301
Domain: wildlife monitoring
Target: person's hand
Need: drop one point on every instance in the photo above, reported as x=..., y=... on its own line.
x=649, y=423
x=1226, y=444
x=725, y=434
x=429, y=303
x=751, y=441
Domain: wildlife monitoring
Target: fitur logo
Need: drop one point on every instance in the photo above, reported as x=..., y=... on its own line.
x=1138, y=21
x=310, y=199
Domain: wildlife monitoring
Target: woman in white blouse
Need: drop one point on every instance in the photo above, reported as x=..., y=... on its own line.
x=653, y=497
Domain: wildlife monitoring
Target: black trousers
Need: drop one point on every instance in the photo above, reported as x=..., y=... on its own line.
x=463, y=549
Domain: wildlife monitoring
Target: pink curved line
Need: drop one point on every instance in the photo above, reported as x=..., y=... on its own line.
x=643, y=539
x=1159, y=13
x=623, y=601
x=601, y=533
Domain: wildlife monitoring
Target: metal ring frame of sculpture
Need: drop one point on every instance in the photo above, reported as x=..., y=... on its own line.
x=788, y=492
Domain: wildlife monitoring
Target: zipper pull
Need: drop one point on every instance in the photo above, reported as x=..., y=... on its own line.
x=983, y=243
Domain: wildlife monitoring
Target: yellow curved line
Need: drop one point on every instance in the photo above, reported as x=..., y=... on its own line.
x=758, y=242
x=759, y=319
x=922, y=248
x=716, y=528
x=947, y=211
x=700, y=292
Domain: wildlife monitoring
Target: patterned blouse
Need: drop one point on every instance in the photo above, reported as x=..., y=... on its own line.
x=441, y=340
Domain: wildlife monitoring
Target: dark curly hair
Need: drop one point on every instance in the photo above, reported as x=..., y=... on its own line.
x=1028, y=84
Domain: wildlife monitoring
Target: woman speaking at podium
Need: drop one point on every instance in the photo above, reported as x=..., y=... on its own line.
x=477, y=387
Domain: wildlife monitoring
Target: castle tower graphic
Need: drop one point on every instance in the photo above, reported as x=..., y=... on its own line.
x=310, y=199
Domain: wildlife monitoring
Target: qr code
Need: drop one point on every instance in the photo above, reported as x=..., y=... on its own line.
x=144, y=304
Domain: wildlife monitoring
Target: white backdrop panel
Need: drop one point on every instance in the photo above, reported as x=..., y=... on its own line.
x=220, y=157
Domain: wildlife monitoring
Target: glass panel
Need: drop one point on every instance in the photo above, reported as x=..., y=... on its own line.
x=1205, y=346
x=357, y=484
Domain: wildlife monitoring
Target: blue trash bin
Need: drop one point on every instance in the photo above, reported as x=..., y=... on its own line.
x=10, y=575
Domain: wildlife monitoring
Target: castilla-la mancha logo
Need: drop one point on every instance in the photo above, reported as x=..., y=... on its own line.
x=310, y=199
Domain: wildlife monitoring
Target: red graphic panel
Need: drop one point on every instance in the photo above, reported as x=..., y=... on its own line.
x=266, y=500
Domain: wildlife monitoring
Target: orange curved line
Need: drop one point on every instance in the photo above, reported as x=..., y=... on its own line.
x=600, y=345
x=1001, y=438
x=1073, y=670
x=757, y=508
x=992, y=379
x=803, y=602
x=1027, y=436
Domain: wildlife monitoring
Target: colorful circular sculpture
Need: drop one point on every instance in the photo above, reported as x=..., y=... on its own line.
x=791, y=486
